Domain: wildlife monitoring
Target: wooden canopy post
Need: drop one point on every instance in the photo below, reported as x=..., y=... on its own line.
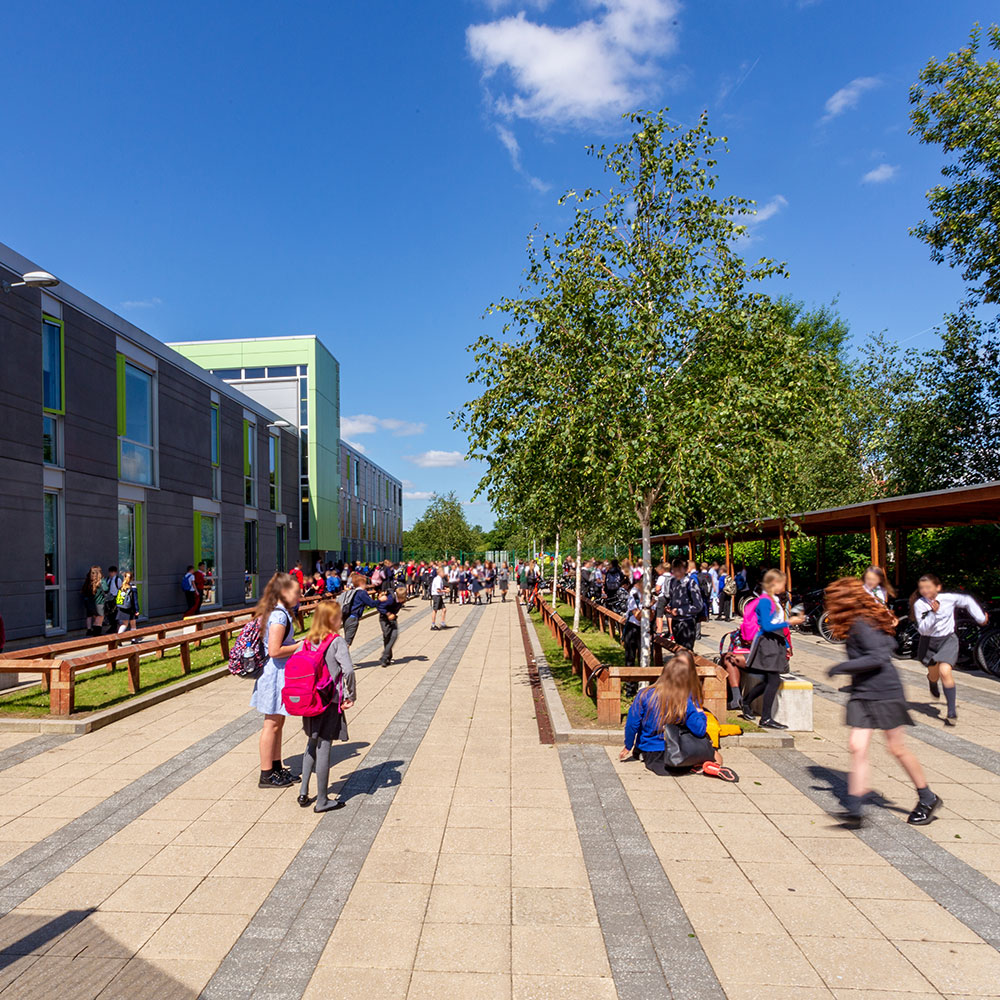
x=690, y=548
x=664, y=544
x=784, y=563
x=876, y=524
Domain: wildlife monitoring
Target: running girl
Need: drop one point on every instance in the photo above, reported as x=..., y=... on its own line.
x=876, y=700
x=934, y=613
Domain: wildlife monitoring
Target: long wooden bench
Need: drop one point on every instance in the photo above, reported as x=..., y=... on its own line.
x=610, y=678
x=58, y=673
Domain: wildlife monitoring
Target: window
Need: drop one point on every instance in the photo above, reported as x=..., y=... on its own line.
x=206, y=546
x=249, y=463
x=364, y=521
x=303, y=401
x=130, y=547
x=216, y=432
x=282, y=371
x=53, y=562
x=226, y=373
x=135, y=423
x=254, y=373
x=52, y=365
x=51, y=444
x=250, y=560
x=304, y=515
x=280, y=550
x=357, y=478
x=274, y=471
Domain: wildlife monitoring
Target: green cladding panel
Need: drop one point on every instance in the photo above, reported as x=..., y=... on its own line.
x=323, y=414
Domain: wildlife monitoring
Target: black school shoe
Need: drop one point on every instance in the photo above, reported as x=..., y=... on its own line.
x=771, y=724
x=275, y=779
x=935, y=689
x=922, y=814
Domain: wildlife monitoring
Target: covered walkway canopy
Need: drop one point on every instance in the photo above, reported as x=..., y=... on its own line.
x=961, y=505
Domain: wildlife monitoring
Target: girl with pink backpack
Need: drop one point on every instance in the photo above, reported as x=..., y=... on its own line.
x=320, y=687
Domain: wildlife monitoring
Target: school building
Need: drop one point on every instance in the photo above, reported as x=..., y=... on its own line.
x=349, y=507
x=115, y=449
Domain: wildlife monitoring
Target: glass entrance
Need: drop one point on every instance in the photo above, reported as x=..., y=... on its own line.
x=130, y=548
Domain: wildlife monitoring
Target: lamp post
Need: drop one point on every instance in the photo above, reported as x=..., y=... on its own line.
x=31, y=279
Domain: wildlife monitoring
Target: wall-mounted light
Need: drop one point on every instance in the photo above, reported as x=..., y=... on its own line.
x=32, y=279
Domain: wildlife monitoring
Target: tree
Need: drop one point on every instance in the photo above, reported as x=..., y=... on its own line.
x=691, y=393
x=955, y=106
x=442, y=529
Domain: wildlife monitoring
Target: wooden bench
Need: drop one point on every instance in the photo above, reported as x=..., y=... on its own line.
x=610, y=678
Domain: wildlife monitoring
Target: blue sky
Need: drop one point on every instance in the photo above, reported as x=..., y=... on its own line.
x=368, y=171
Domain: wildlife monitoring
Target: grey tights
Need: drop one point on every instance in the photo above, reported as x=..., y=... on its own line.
x=317, y=758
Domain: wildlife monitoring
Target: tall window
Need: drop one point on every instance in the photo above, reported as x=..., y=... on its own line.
x=216, y=431
x=53, y=562
x=357, y=477
x=250, y=560
x=274, y=471
x=249, y=463
x=135, y=423
x=206, y=547
x=53, y=403
x=281, y=550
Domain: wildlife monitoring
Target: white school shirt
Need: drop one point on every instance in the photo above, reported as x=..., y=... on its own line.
x=942, y=622
x=878, y=592
x=437, y=586
x=661, y=582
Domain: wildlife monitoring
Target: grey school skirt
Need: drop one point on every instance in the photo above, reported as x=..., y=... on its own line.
x=863, y=713
x=938, y=649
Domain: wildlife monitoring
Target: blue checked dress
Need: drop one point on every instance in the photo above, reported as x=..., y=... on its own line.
x=266, y=697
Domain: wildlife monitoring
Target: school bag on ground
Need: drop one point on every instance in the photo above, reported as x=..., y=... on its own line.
x=247, y=655
x=309, y=689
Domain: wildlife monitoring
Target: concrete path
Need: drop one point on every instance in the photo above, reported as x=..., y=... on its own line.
x=474, y=861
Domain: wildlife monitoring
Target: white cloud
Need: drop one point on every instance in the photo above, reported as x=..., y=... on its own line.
x=594, y=69
x=764, y=212
x=355, y=445
x=142, y=303
x=417, y=495
x=409, y=484
x=882, y=173
x=365, y=423
x=436, y=459
x=513, y=148
x=847, y=97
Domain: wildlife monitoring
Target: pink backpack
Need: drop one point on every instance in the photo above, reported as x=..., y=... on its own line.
x=749, y=627
x=309, y=688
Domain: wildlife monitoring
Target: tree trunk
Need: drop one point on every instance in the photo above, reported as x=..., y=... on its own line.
x=579, y=581
x=647, y=586
x=555, y=572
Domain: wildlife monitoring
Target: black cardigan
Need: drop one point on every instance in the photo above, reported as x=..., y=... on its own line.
x=873, y=674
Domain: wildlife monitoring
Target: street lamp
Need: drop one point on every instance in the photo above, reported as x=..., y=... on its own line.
x=280, y=424
x=32, y=279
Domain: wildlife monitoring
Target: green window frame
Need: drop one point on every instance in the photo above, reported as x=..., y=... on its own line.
x=133, y=445
x=249, y=463
x=52, y=323
x=274, y=471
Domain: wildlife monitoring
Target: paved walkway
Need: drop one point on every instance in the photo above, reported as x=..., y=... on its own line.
x=473, y=861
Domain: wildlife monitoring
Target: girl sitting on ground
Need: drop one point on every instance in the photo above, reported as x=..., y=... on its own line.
x=321, y=730
x=667, y=728
x=877, y=700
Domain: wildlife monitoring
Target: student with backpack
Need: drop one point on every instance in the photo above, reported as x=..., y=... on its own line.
x=320, y=687
x=667, y=728
x=771, y=649
x=126, y=606
x=684, y=604
x=274, y=616
x=113, y=581
x=353, y=602
x=632, y=629
x=190, y=591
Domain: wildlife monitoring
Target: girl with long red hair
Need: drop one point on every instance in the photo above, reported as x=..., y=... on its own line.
x=877, y=700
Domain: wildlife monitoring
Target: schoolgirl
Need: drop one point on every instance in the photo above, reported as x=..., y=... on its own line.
x=877, y=700
x=674, y=701
x=771, y=649
x=126, y=605
x=94, y=593
x=876, y=585
x=503, y=578
x=934, y=614
x=331, y=724
x=477, y=585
